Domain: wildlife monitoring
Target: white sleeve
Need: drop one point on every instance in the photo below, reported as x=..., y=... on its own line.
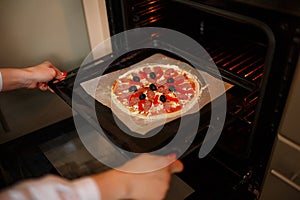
x=1, y=83
x=53, y=187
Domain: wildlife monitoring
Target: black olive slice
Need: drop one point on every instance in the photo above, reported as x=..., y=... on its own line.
x=132, y=88
x=163, y=98
x=142, y=96
x=170, y=80
x=152, y=75
x=153, y=87
x=136, y=79
x=172, y=88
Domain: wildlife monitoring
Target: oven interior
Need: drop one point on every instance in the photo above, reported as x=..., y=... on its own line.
x=238, y=45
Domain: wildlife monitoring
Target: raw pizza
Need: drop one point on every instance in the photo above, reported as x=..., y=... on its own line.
x=155, y=91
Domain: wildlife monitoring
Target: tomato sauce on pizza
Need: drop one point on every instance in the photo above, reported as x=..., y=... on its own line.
x=151, y=91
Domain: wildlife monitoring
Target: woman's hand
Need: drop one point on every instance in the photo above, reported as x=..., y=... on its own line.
x=39, y=75
x=144, y=177
x=30, y=77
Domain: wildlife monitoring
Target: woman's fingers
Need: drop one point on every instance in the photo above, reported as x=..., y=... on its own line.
x=59, y=75
x=42, y=86
x=176, y=166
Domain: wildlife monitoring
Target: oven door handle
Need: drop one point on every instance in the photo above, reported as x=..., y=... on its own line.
x=52, y=84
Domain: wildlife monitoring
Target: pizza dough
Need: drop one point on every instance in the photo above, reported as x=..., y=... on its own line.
x=155, y=91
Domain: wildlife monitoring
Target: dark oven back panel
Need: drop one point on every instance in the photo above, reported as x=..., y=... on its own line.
x=238, y=49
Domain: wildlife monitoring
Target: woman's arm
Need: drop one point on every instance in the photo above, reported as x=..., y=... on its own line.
x=30, y=77
x=146, y=177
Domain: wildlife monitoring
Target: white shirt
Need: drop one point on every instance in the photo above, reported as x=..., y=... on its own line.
x=53, y=187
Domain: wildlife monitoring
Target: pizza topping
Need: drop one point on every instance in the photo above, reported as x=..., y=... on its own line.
x=163, y=89
x=162, y=82
x=152, y=75
x=183, y=90
x=163, y=98
x=186, y=86
x=159, y=72
x=182, y=96
x=171, y=73
x=150, y=94
x=133, y=100
x=167, y=107
x=147, y=70
x=156, y=103
x=179, y=78
x=142, y=96
x=136, y=78
x=121, y=88
x=144, y=105
x=141, y=105
x=153, y=87
x=132, y=88
x=172, y=88
x=142, y=74
x=170, y=80
x=170, y=98
x=174, y=109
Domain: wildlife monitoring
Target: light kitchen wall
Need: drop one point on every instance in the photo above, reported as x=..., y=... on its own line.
x=32, y=31
x=36, y=30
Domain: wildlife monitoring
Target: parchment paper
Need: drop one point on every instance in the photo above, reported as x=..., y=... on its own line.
x=100, y=89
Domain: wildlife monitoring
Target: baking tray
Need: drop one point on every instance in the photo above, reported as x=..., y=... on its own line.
x=84, y=104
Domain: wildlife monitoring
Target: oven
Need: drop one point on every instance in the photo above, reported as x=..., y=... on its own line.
x=255, y=45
